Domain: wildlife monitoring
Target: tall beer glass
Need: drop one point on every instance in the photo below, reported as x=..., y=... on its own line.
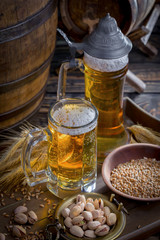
x=104, y=82
x=72, y=147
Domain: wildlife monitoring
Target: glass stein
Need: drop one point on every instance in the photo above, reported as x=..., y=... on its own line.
x=72, y=148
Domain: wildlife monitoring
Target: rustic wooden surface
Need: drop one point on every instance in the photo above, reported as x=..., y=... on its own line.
x=143, y=221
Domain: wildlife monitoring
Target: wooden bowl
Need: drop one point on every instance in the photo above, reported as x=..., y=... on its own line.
x=124, y=154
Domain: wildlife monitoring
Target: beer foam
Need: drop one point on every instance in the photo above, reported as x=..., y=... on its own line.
x=76, y=117
x=105, y=65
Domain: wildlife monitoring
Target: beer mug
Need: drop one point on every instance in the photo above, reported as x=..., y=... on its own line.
x=72, y=147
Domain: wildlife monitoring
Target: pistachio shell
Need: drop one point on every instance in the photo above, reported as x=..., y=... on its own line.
x=89, y=207
x=20, y=209
x=20, y=218
x=96, y=203
x=68, y=222
x=75, y=211
x=102, y=230
x=65, y=212
x=90, y=200
x=32, y=217
x=2, y=236
x=78, y=221
x=101, y=219
x=111, y=219
x=18, y=231
x=71, y=205
x=81, y=204
x=101, y=213
x=101, y=203
x=87, y=215
x=85, y=226
x=90, y=234
x=96, y=213
x=81, y=198
x=92, y=225
x=77, y=231
x=107, y=211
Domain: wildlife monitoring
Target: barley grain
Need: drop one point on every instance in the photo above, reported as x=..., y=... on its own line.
x=138, y=178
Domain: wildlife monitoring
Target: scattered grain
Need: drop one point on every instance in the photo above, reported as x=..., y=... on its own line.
x=18, y=198
x=41, y=205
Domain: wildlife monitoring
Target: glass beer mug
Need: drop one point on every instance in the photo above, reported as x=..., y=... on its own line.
x=105, y=64
x=72, y=148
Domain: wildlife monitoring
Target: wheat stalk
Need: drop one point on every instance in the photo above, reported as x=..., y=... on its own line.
x=144, y=135
x=16, y=176
x=11, y=157
x=11, y=172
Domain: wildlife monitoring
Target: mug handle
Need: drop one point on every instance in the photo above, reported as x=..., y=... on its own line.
x=33, y=138
x=73, y=64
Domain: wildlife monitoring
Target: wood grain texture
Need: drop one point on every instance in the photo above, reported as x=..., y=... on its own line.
x=78, y=18
x=25, y=61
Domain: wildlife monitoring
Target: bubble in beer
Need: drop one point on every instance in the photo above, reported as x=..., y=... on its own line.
x=105, y=65
x=74, y=116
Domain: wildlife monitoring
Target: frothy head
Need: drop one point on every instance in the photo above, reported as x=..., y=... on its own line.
x=105, y=65
x=73, y=118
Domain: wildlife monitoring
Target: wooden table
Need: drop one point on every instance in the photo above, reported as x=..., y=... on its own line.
x=143, y=220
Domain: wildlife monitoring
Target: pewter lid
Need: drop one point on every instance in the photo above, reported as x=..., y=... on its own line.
x=107, y=41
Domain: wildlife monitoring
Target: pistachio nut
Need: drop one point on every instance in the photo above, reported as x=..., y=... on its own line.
x=87, y=215
x=81, y=204
x=20, y=209
x=102, y=230
x=81, y=198
x=75, y=211
x=65, y=212
x=101, y=212
x=111, y=219
x=85, y=226
x=2, y=236
x=20, y=218
x=96, y=213
x=106, y=211
x=68, y=222
x=90, y=200
x=18, y=231
x=90, y=234
x=32, y=217
x=92, y=225
x=89, y=207
x=78, y=220
x=101, y=203
x=96, y=203
x=101, y=219
x=77, y=231
x=71, y=205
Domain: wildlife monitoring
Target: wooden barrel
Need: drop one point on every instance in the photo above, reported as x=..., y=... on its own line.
x=79, y=17
x=27, y=43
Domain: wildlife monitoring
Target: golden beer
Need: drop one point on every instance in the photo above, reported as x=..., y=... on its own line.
x=104, y=90
x=72, y=154
x=72, y=148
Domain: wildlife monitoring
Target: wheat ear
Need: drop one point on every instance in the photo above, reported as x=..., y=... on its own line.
x=145, y=135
